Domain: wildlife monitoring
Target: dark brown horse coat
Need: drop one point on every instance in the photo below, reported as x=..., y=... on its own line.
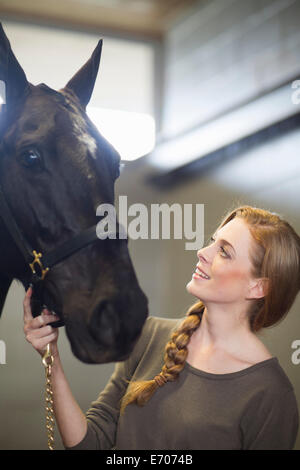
x=55, y=170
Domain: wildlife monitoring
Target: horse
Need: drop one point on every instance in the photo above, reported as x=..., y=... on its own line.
x=55, y=170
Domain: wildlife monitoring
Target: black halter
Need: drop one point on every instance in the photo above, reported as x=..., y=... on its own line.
x=40, y=263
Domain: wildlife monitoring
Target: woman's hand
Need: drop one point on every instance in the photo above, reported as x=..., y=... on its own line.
x=37, y=331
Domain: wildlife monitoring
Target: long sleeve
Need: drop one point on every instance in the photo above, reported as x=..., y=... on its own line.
x=272, y=422
x=103, y=414
x=254, y=408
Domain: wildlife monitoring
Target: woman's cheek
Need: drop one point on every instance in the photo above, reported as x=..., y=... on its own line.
x=222, y=271
x=232, y=279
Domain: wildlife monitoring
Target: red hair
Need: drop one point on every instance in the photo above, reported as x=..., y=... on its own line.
x=275, y=256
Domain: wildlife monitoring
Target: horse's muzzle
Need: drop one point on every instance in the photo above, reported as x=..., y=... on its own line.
x=110, y=332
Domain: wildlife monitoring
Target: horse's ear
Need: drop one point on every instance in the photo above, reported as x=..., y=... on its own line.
x=4, y=288
x=11, y=72
x=84, y=80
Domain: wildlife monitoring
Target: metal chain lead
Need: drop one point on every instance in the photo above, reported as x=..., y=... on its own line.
x=48, y=360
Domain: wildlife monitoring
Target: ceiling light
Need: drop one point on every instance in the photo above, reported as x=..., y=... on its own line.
x=132, y=134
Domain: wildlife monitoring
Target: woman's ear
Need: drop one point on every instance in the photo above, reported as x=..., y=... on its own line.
x=258, y=288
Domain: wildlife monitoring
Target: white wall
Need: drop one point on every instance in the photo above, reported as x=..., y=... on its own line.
x=52, y=56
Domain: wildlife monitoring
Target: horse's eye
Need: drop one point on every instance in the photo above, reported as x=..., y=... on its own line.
x=31, y=159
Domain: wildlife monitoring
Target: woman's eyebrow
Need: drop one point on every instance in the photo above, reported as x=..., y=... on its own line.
x=225, y=242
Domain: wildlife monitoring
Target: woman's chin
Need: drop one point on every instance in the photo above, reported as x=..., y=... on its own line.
x=191, y=288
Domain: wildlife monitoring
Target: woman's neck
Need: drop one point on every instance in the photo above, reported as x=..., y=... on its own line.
x=221, y=329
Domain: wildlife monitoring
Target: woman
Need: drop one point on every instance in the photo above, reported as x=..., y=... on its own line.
x=214, y=385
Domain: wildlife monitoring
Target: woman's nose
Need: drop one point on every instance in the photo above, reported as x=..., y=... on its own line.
x=203, y=254
x=200, y=255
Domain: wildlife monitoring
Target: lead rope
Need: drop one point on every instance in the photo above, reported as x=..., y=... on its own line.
x=48, y=360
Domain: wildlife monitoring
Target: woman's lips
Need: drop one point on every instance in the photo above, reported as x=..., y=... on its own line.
x=197, y=275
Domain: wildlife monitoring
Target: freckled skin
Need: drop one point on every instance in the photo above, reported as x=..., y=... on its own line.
x=229, y=277
x=224, y=342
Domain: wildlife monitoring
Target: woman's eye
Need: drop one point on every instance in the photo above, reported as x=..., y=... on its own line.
x=31, y=159
x=223, y=252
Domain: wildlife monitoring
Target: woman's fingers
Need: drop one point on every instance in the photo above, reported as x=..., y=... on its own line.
x=39, y=341
x=41, y=344
x=37, y=331
x=31, y=323
x=46, y=317
x=26, y=306
x=40, y=321
x=39, y=335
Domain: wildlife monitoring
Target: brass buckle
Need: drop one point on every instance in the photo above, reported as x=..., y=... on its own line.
x=37, y=260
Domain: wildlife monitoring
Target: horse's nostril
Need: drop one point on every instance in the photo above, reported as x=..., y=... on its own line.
x=104, y=324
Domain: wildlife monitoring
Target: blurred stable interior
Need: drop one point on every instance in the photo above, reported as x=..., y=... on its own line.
x=216, y=77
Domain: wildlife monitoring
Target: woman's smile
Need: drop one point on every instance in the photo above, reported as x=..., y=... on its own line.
x=198, y=274
x=229, y=272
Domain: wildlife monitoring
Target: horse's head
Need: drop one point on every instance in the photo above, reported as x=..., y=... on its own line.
x=55, y=170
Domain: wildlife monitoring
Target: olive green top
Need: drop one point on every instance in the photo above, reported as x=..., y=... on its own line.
x=254, y=408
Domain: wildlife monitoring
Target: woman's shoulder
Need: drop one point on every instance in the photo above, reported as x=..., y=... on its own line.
x=270, y=418
x=270, y=378
x=155, y=334
x=276, y=374
x=155, y=322
x=156, y=329
x=269, y=368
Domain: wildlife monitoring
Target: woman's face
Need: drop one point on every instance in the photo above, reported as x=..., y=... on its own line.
x=226, y=261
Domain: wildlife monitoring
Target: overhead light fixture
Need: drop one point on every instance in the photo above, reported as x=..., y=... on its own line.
x=227, y=129
x=132, y=134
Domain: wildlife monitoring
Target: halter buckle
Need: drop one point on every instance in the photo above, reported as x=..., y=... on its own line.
x=37, y=261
